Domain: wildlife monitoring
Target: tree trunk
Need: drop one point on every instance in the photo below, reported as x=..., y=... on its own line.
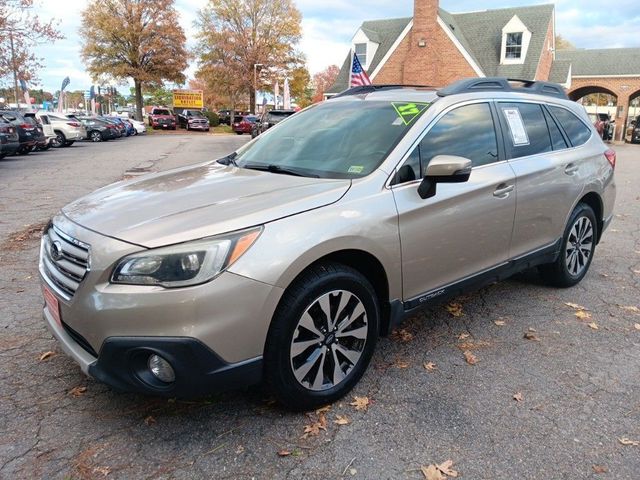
x=138, y=86
x=252, y=100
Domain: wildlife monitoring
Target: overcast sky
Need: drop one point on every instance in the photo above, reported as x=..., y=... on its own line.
x=328, y=26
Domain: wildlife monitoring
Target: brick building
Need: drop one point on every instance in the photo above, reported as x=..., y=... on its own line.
x=435, y=47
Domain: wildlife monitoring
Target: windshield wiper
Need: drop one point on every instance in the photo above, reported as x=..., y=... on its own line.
x=229, y=159
x=278, y=169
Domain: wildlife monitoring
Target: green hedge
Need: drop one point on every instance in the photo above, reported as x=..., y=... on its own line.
x=214, y=121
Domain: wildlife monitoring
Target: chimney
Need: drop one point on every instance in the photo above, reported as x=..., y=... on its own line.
x=422, y=68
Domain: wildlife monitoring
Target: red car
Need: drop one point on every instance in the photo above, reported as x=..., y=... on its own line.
x=244, y=124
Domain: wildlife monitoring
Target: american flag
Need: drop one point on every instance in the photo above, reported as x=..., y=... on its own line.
x=358, y=76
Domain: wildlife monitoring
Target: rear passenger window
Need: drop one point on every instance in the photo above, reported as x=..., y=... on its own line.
x=577, y=131
x=557, y=140
x=466, y=132
x=526, y=129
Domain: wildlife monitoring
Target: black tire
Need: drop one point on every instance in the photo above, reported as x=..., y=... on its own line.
x=69, y=143
x=24, y=150
x=303, y=294
x=238, y=133
x=44, y=148
x=60, y=140
x=558, y=273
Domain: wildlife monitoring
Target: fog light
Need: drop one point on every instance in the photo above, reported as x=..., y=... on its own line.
x=161, y=369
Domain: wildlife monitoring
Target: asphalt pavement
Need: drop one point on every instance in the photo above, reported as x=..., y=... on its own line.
x=506, y=383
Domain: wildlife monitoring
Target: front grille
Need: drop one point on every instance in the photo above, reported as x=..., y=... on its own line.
x=65, y=261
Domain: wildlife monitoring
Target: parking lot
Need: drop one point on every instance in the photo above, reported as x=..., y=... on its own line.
x=545, y=394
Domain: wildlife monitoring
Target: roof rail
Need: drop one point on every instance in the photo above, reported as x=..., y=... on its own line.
x=470, y=85
x=363, y=89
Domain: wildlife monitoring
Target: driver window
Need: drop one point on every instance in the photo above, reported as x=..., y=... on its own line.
x=410, y=170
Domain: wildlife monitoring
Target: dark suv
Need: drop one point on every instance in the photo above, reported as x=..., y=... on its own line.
x=269, y=119
x=9, y=142
x=28, y=132
x=193, y=120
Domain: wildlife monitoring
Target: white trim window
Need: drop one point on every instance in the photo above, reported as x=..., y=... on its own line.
x=361, y=52
x=515, y=42
x=513, y=48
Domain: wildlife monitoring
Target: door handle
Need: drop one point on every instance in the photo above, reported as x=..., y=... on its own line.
x=571, y=169
x=503, y=190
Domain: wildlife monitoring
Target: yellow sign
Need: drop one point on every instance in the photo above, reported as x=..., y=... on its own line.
x=187, y=99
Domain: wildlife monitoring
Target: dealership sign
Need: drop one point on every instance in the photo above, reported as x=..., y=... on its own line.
x=187, y=99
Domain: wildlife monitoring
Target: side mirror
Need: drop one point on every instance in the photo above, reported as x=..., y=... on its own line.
x=444, y=169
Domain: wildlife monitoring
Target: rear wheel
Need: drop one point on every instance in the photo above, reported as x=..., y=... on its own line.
x=576, y=254
x=60, y=140
x=322, y=337
x=95, y=136
x=24, y=150
x=69, y=143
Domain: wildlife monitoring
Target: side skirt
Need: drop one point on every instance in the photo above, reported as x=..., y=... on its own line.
x=400, y=310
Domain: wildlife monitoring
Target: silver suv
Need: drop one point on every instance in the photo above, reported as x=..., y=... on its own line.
x=287, y=260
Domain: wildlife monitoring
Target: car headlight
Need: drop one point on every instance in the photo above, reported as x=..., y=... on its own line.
x=184, y=264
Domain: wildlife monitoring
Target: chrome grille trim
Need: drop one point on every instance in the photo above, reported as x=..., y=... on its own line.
x=67, y=272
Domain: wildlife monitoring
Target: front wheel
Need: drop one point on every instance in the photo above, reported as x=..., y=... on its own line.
x=95, y=136
x=69, y=143
x=322, y=337
x=576, y=254
x=60, y=140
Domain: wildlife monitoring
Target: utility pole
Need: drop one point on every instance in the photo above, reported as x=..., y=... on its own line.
x=15, y=70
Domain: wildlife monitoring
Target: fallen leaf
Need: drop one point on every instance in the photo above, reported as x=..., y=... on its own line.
x=470, y=357
x=77, y=391
x=583, y=315
x=149, y=420
x=313, y=429
x=593, y=325
x=430, y=366
x=626, y=441
x=324, y=409
x=599, y=469
x=284, y=453
x=402, y=335
x=401, y=363
x=500, y=323
x=342, y=420
x=103, y=470
x=637, y=326
x=432, y=473
x=575, y=306
x=518, y=396
x=361, y=403
x=632, y=308
x=462, y=336
x=454, y=309
x=445, y=467
x=46, y=355
x=530, y=335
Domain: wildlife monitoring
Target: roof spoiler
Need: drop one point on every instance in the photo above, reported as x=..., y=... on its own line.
x=493, y=84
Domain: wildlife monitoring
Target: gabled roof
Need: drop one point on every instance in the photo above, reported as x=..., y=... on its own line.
x=609, y=61
x=479, y=33
x=560, y=71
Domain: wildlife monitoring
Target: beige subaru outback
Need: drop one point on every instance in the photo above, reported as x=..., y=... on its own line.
x=285, y=261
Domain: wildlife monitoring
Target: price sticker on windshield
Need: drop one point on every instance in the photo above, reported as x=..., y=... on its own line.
x=516, y=126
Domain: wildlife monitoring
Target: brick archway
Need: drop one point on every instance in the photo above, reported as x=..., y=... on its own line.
x=624, y=89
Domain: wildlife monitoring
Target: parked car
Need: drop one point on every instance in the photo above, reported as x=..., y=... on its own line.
x=162, y=118
x=244, y=124
x=344, y=220
x=193, y=120
x=140, y=127
x=269, y=119
x=98, y=130
x=66, y=130
x=44, y=128
x=635, y=130
x=224, y=116
x=126, y=128
x=117, y=123
x=9, y=140
x=28, y=132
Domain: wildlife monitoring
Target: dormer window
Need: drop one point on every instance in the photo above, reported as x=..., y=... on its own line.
x=361, y=52
x=514, y=45
x=515, y=42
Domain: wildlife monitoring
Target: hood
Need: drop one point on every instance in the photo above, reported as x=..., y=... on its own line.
x=198, y=201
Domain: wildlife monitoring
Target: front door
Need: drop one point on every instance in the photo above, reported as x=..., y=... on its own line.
x=466, y=227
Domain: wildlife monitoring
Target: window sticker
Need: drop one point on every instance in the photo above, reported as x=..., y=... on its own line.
x=355, y=169
x=408, y=112
x=516, y=126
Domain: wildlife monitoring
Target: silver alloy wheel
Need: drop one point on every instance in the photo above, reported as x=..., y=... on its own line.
x=579, y=246
x=96, y=136
x=329, y=339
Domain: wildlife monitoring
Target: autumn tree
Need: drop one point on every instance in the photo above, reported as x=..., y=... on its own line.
x=137, y=39
x=323, y=80
x=563, y=44
x=237, y=36
x=20, y=31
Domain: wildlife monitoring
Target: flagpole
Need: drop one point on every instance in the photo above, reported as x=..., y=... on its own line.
x=350, y=68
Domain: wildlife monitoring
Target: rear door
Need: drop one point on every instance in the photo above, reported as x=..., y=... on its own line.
x=545, y=174
x=466, y=227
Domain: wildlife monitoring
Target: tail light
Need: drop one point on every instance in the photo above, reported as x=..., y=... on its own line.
x=611, y=157
x=26, y=126
x=73, y=124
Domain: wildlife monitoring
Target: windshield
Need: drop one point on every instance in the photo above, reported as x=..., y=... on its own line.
x=161, y=111
x=334, y=139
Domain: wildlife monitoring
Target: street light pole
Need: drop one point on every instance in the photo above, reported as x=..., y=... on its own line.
x=255, y=86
